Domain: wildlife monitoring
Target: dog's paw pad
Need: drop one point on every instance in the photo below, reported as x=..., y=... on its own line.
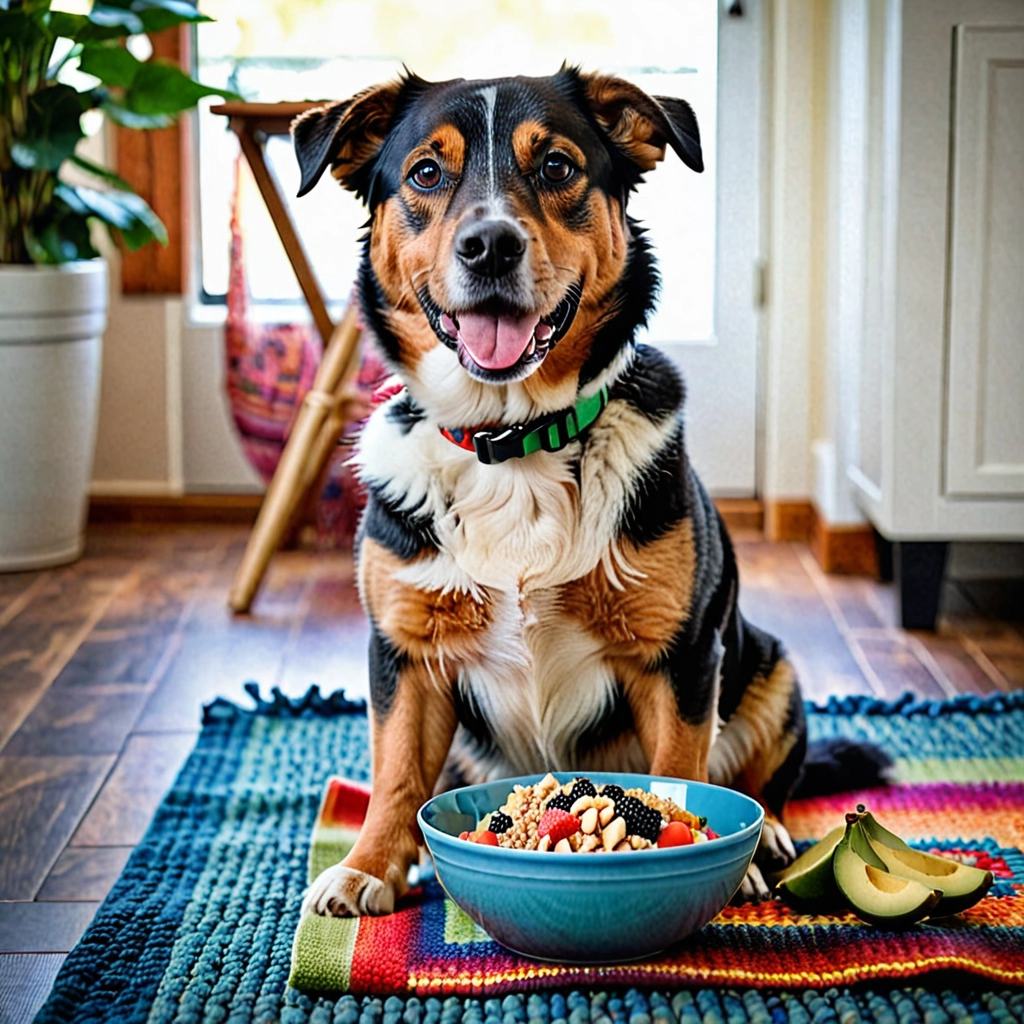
x=775, y=849
x=341, y=891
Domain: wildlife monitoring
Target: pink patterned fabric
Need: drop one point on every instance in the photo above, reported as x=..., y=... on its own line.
x=270, y=367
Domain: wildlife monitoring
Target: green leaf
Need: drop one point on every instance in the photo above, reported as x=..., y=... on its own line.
x=153, y=15
x=61, y=235
x=108, y=16
x=110, y=63
x=161, y=87
x=119, y=114
x=52, y=129
x=101, y=172
x=126, y=212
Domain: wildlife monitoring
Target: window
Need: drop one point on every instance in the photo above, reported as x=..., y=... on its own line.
x=272, y=50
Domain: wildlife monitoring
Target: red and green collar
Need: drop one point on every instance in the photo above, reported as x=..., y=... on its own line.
x=551, y=433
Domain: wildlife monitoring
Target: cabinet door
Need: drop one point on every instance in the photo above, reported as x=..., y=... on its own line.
x=985, y=381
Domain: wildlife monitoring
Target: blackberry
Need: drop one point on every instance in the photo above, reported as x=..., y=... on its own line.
x=613, y=792
x=500, y=822
x=560, y=800
x=582, y=787
x=640, y=819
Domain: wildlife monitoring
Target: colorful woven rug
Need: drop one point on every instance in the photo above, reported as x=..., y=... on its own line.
x=200, y=925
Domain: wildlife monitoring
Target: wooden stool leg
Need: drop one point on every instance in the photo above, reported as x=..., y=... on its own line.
x=286, y=488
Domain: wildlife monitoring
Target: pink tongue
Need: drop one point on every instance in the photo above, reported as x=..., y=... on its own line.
x=495, y=343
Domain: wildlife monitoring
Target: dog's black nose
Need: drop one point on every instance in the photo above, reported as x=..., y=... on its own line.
x=490, y=248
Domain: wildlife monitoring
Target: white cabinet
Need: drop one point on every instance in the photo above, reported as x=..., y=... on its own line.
x=938, y=451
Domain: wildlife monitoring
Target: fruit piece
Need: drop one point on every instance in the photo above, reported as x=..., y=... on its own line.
x=484, y=837
x=711, y=833
x=640, y=819
x=961, y=885
x=560, y=801
x=464, y=835
x=676, y=833
x=875, y=895
x=809, y=883
x=582, y=787
x=612, y=791
x=558, y=824
x=500, y=822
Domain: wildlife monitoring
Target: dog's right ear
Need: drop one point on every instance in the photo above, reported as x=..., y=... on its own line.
x=348, y=135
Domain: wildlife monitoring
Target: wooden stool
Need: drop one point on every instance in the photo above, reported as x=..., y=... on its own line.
x=323, y=415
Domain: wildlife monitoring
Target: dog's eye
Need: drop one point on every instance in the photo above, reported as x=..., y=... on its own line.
x=556, y=168
x=426, y=175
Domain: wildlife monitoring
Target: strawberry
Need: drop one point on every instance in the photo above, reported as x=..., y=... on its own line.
x=484, y=837
x=558, y=824
x=676, y=833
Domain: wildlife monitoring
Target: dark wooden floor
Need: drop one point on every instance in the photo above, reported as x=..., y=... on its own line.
x=104, y=666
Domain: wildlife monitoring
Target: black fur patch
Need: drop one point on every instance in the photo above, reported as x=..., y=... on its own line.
x=472, y=720
x=838, y=764
x=652, y=385
x=403, y=533
x=386, y=663
x=404, y=413
x=659, y=498
x=616, y=720
x=636, y=293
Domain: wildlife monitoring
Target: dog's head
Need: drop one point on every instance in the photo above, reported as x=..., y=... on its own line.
x=499, y=258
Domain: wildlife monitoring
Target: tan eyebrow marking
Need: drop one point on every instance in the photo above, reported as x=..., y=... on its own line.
x=447, y=144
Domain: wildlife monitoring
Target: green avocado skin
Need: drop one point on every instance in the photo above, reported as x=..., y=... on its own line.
x=879, y=836
x=814, y=891
x=852, y=854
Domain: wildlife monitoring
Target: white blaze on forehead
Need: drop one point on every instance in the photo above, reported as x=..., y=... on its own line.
x=489, y=94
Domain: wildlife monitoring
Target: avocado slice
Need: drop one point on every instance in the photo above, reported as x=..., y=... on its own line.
x=960, y=884
x=809, y=883
x=875, y=895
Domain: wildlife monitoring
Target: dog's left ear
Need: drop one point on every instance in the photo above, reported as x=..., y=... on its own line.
x=642, y=126
x=348, y=135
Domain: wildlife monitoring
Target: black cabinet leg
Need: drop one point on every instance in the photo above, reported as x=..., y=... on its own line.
x=919, y=568
x=883, y=552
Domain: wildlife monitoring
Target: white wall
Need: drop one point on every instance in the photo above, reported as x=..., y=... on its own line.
x=165, y=427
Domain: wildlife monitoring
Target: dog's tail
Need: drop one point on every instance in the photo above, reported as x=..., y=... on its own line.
x=835, y=765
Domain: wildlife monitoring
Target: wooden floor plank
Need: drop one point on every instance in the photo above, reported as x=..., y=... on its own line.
x=79, y=720
x=121, y=812
x=42, y=800
x=38, y=642
x=899, y=668
x=84, y=873
x=25, y=982
x=111, y=655
x=824, y=663
x=212, y=663
x=43, y=927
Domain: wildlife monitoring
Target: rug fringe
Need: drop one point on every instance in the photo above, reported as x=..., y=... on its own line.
x=909, y=705
x=311, y=704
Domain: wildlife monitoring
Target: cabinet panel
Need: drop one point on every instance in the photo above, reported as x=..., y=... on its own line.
x=985, y=384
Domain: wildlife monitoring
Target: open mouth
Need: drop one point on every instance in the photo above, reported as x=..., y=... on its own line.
x=499, y=347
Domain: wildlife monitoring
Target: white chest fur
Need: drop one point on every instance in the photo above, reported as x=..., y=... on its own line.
x=521, y=529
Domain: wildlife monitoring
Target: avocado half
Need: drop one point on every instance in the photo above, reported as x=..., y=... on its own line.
x=961, y=885
x=873, y=893
x=809, y=883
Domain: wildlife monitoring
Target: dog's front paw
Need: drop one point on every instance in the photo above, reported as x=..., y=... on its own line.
x=341, y=891
x=775, y=850
x=753, y=888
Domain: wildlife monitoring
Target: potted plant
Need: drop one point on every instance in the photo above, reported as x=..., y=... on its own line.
x=53, y=282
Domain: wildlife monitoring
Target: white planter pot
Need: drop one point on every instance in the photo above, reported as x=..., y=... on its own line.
x=51, y=341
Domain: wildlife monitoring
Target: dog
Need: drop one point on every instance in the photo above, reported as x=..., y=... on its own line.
x=548, y=584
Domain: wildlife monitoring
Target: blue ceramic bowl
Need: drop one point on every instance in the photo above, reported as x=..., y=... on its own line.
x=591, y=908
